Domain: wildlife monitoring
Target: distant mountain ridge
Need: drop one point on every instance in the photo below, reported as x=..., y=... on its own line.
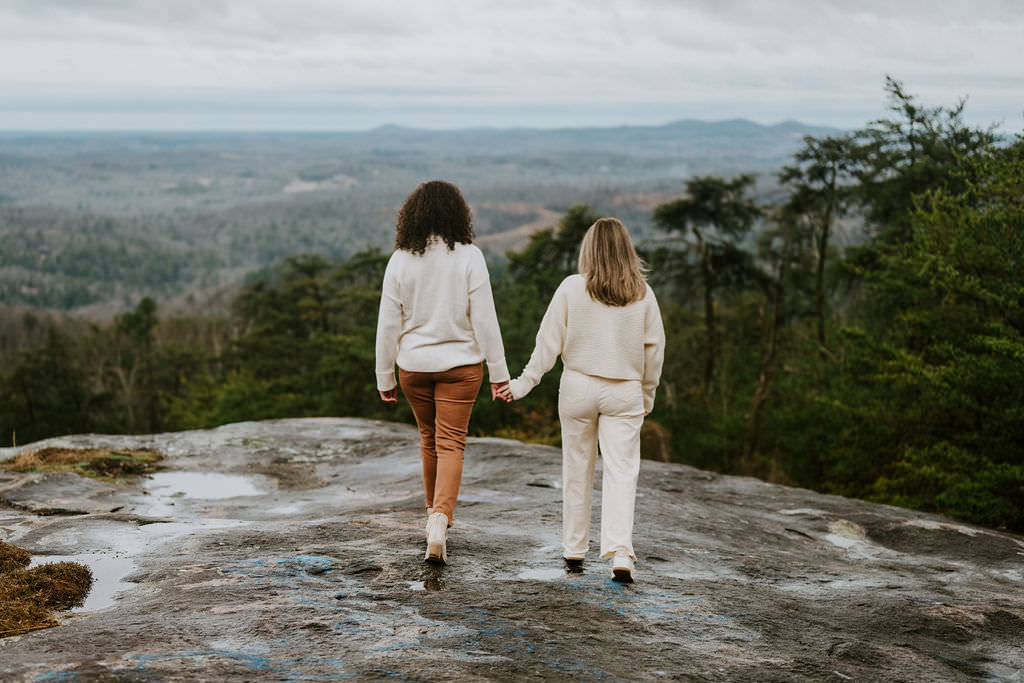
x=685, y=136
x=731, y=137
x=690, y=125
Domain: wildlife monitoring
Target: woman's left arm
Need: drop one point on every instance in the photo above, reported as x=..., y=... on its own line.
x=654, y=349
x=484, y=320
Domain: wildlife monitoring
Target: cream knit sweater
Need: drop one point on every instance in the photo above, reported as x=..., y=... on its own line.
x=437, y=313
x=613, y=342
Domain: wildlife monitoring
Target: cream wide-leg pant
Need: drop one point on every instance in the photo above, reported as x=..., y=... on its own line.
x=594, y=411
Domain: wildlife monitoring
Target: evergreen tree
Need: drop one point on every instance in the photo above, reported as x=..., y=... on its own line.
x=48, y=394
x=945, y=428
x=919, y=149
x=820, y=183
x=786, y=249
x=712, y=219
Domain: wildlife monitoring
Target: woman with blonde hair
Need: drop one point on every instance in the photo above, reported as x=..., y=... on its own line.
x=605, y=324
x=437, y=322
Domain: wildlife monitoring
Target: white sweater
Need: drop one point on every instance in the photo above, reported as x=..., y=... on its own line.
x=437, y=313
x=614, y=342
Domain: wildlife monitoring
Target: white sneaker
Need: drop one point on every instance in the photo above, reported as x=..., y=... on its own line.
x=622, y=569
x=437, y=538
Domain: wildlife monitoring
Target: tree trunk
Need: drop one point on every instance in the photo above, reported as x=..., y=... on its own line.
x=769, y=343
x=819, y=288
x=708, y=277
x=769, y=335
x=28, y=401
x=126, y=378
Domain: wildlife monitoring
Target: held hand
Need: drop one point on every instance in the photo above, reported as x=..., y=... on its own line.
x=389, y=396
x=500, y=391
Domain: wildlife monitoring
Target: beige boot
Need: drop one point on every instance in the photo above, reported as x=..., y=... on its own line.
x=622, y=569
x=437, y=538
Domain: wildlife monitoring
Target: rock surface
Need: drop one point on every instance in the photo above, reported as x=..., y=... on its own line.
x=292, y=549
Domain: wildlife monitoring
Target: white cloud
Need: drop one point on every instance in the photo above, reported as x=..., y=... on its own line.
x=505, y=62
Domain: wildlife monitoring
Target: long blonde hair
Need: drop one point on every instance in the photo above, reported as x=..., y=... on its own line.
x=614, y=273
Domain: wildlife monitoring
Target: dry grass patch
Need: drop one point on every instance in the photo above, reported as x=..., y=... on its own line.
x=28, y=597
x=98, y=463
x=12, y=557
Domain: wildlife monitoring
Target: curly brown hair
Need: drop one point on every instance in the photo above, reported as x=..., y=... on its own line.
x=434, y=208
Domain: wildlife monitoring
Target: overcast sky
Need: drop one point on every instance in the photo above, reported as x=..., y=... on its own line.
x=357, y=64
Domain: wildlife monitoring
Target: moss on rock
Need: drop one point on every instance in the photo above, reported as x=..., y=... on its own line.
x=97, y=463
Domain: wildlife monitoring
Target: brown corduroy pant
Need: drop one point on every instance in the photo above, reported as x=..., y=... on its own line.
x=442, y=403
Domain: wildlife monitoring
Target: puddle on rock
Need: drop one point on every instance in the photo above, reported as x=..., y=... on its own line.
x=432, y=579
x=166, y=487
x=543, y=574
x=107, y=573
x=204, y=485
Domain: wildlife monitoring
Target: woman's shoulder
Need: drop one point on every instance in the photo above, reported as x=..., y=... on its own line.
x=574, y=281
x=649, y=297
x=572, y=290
x=572, y=285
x=469, y=256
x=437, y=249
x=469, y=249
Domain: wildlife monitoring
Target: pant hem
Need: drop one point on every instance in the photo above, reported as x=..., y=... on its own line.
x=612, y=553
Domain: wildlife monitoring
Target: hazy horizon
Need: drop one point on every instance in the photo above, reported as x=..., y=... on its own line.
x=210, y=120
x=397, y=126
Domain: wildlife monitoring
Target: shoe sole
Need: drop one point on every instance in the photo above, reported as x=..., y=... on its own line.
x=622, y=575
x=573, y=565
x=436, y=554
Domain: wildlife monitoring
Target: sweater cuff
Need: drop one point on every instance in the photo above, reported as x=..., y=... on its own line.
x=386, y=380
x=519, y=388
x=498, y=372
x=648, y=402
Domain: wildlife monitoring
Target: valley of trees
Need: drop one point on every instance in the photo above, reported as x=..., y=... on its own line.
x=891, y=370
x=91, y=223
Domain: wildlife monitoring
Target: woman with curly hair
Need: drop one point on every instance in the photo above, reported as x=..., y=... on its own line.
x=437, y=322
x=605, y=324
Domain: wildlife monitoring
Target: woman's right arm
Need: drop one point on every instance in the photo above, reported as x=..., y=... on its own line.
x=389, y=327
x=550, y=340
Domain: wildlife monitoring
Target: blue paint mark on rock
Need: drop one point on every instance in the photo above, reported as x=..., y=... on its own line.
x=285, y=669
